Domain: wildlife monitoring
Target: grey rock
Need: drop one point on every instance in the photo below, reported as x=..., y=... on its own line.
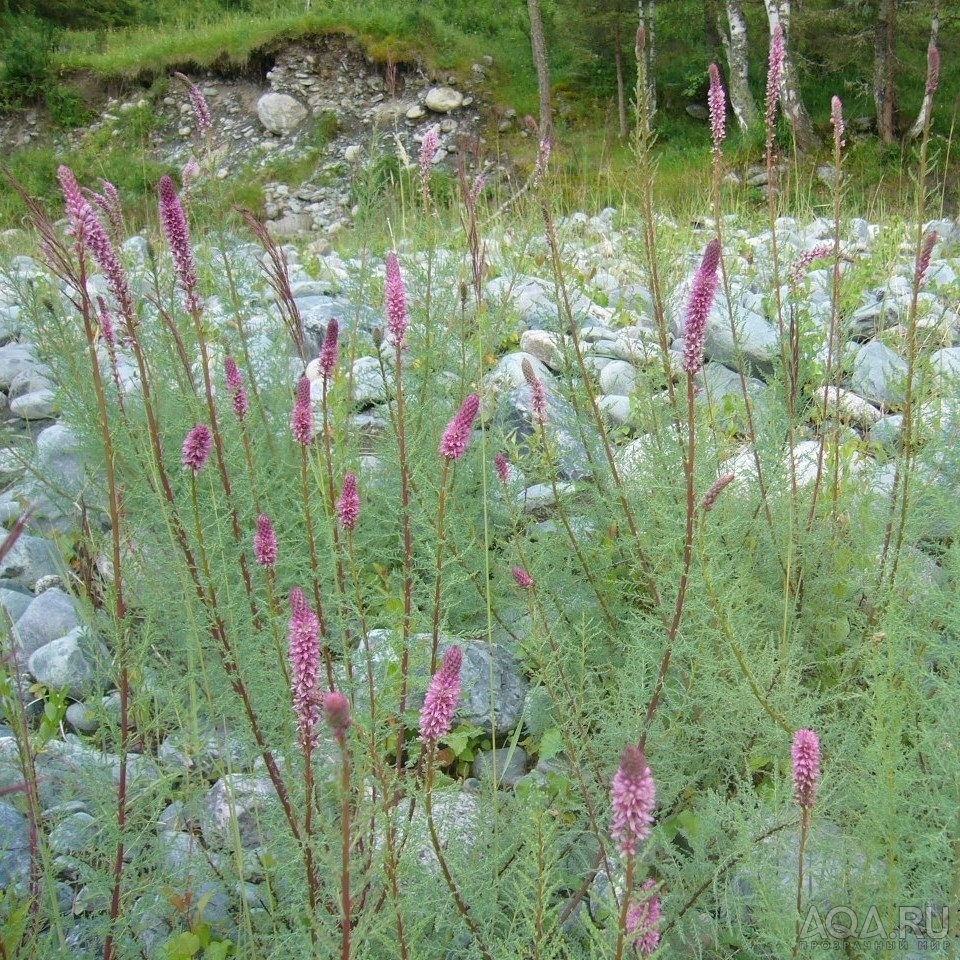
x=545, y=346
x=14, y=846
x=14, y=358
x=508, y=764
x=36, y=405
x=945, y=366
x=489, y=668
x=457, y=819
x=280, y=113
x=368, y=384
x=51, y=615
x=29, y=559
x=879, y=375
x=539, y=497
x=617, y=408
x=211, y=750
x=15, y=603
x=237, y=802
x=82, y=718
x=619, y=377
x=77, y=834
x=78, y=662
x=443, y=99
x=515, y=419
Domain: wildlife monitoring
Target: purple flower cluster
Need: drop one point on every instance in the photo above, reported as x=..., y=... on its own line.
x=428, y=150
x=235, y=385
x=89, y=232
x=836, y=121
x=643, y=921
x=442, y=698
x=348, y=503
x=774, y=77
x=301, y=420
x=304, y=637
x=698, y=309
x=336, y=711
x=329, y=350
x=717, y=101
x=265, y=542
x=196, y=448
x=926, y=252
x=201, y=112
x=502, y=466
x=397, y=321
x=717, y=487
x=633, y=796
x=174, y=223
x=455, y=438
x=523, y=579
x=806, y=767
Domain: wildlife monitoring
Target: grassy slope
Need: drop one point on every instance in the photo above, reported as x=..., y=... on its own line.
x=835, y=51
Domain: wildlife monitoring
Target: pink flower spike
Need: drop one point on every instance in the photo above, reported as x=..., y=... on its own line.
x=348, y=503
x=301, y=420
x=428, y=150
x=806, y=767
x=196, y=448
x=923, y=264
x=836, y=121
x=201, y=111
x=106, y=324
x=719, y=485
x=265, y=543
x=175, y=229
x=89, y=231
x=643, y=921
x=329, y=351
x=336, y=711
x=717, y=101
x=633, y=796
x=231, y=373
x=304, y=637
x=397, y=321
x=538, y=393
x=698, y=309
x=442, y=698
x=524, y=580
x=502, y=466
x=457, y=435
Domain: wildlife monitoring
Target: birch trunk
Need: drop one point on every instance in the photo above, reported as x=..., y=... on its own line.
x=621, y=87
x=538, y=46
x=738, y=65
x=648, y=11
x=884, y=71
x=926, y=108
x=805, y=137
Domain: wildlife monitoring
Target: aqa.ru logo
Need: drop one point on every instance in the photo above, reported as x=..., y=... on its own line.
x=845, y=923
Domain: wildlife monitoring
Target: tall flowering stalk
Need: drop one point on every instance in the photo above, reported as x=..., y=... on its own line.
x=436, y=719
x=305, y=647
x=201, y=110
x=717, y=103
x=900, y=495
x=397, y=324
x=174, y=223
x=90, y=235
x=805, y=755
x=428, y=151
x=336, y=711
x=774, y=82
x=694, y=333
x=633, y=796
x=453, y=445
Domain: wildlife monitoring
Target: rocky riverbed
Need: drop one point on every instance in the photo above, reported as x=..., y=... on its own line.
x=57, y=640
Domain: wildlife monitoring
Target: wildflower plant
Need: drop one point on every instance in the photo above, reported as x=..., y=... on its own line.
x=358, y=597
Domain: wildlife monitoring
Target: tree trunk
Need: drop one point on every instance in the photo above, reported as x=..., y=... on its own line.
x=884, y=71
x=805, y=137
x=539, y=47
x=738, y=65
x=923, y=118
x=648, y=11
x=621, y=90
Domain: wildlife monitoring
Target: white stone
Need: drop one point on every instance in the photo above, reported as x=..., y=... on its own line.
x=443, y=99
x=280, y=113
